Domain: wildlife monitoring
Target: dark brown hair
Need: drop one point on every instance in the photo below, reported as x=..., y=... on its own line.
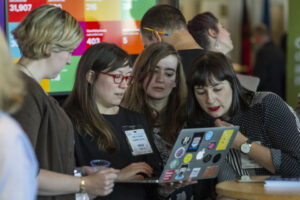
x=162, y=18
x=216, y=65
x=199, y=25
x=172, y=117
x=80, y=105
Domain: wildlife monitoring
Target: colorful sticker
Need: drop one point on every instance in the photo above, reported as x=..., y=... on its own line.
x=168, y=175
x=210, y=171
x=211, y=145
x=179, y=152
x=208, y=135
x=195, y=172
x=174, y=163
x=188, y=157
x=181, y=171
x=197, y=138
x=207, y=158
x=200, y=154
x=216, y=158
x=185, y=140
x=225, y=138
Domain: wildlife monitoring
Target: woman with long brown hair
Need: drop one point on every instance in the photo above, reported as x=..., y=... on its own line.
x=159, y=92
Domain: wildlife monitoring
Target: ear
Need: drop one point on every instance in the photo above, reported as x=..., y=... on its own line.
x=156, y=37
x=90, y=76
x=48, y=50
x=212, y=33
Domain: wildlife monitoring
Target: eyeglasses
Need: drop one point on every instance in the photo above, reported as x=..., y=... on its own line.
x=118, y=78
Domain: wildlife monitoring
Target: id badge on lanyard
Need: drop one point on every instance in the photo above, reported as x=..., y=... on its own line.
x=137, y=140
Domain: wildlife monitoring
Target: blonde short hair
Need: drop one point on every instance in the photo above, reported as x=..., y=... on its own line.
x=11, y=85
x=45, y=29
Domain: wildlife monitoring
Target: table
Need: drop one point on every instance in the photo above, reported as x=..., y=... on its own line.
x=255, y=190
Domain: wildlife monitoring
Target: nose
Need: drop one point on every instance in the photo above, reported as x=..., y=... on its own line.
x=210, y=97
x=123, y=84
x=159, y=77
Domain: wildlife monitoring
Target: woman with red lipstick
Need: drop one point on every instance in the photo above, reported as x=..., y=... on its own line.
x=103, y=127
x=268, y=141
x=159, y=92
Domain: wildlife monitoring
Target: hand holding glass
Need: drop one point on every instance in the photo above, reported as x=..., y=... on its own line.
x=98, y=164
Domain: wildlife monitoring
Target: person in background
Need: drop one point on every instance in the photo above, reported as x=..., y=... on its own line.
x=268, y=140
x=46, y=38
x=269, y=63
x=159, y=92
x=165, y=23
x=209, y=33
x=18, y=166
x=103, y=127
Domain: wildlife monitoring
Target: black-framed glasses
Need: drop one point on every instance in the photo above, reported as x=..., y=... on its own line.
x=118, y=78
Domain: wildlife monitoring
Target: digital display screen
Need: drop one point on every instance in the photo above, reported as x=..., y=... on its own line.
x=113, y=21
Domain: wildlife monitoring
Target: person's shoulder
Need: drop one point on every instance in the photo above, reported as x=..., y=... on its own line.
x=267, y=99
x=9, y=128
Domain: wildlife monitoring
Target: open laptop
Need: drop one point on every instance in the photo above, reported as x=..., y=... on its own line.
x=197, y=154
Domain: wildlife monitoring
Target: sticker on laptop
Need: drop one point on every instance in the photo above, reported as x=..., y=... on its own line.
x=194, y=145
x=200, y=154
x=208, y=135
x=216, y=158
x=187, y=158
x=168, y=175
x=195, y=172
x=211, y=145
x=185, y=140
x=210, y=171
x=174, y=163
x=224, y=140
x=181, y=171
x=179, y=152
x=207, y=158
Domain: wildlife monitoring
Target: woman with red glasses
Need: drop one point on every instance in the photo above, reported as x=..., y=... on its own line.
x=103, y=129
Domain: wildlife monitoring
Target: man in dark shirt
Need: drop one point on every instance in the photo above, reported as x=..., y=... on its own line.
x=269, y=63
x=165, y=23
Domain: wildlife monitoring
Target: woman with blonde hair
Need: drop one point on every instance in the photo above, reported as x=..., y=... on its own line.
x=159, y=92
x=18, y=166
x=47, y=37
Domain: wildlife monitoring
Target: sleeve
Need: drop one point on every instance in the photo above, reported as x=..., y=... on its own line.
x=283, y=130
x=18, y=163
x=30, y=116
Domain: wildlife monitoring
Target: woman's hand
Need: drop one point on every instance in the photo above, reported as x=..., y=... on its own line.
x=239, y=138
x=133, y=171
x=102, y=182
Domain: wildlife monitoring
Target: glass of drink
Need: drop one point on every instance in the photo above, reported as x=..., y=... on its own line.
x=98, y=164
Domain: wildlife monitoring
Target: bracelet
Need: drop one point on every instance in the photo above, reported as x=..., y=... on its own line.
x=82, y=185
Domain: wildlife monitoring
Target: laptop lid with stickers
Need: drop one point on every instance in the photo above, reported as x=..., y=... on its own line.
x=196, y=154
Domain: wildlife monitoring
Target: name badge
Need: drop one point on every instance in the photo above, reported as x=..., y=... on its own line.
x=138, y=141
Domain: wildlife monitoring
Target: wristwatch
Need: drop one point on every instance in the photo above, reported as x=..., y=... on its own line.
x=246, y=147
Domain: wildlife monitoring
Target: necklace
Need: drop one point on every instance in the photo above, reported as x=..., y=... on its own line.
x=27, y=70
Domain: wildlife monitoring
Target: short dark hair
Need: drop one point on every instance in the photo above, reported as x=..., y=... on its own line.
x=216, y=65
x=162, y=17
x=199, y=25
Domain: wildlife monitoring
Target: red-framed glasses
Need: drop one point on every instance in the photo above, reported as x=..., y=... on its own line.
x=118, y=78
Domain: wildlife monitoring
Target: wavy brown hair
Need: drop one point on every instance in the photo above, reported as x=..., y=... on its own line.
x=172, y=117
x=81, y=104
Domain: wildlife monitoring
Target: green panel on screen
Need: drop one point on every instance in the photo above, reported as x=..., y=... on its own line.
x=65, y=80
x=135, y=9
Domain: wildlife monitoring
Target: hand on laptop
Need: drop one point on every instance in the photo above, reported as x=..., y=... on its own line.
x=135, y=171
x=239, y=138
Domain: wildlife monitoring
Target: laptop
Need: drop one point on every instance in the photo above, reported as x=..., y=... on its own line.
x=198, y=153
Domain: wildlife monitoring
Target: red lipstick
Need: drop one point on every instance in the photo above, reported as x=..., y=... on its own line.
x=214, y=108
